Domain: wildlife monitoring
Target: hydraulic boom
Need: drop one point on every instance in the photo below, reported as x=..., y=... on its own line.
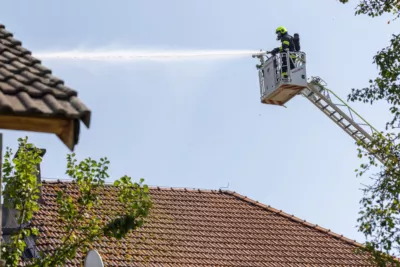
x=339, y=112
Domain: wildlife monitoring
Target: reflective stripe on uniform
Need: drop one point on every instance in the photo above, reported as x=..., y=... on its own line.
x=286, y=43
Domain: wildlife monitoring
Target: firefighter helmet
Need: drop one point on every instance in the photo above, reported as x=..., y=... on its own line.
x=280, y=31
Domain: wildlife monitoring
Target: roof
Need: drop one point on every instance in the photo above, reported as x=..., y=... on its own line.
x=207, y=228
x=27, y=88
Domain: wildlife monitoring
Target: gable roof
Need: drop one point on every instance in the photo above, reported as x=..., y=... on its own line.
x=206, y=228
x=27, y=89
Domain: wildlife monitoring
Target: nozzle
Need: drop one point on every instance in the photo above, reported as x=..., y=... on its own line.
x=260, y=54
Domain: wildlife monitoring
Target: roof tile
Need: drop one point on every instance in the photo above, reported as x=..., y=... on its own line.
x=206, y=228
x=28, y=88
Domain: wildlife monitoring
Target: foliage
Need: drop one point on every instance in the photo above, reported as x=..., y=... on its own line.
x=375, y=8
x=21, y=192
x=380, y=211
x=380, y=206
x=387, y=84
x=82, y=226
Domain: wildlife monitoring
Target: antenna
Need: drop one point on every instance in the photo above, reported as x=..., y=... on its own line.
x=225, y=186
x=93, y=259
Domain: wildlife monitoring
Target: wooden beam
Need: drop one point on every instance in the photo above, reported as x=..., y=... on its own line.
x=33, y=124
x=67, y=135
x=63, y=128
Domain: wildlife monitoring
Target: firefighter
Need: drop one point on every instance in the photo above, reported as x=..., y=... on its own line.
x=287, y=45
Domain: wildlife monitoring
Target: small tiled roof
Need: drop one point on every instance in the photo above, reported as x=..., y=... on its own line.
x=27, y=88
x=207, y=228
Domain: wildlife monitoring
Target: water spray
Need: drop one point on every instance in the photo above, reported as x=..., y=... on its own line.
x=134, y=55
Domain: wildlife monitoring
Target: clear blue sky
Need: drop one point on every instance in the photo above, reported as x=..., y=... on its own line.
x=200, y=124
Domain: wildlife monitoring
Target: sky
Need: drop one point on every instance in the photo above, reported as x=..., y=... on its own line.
x=200, y=124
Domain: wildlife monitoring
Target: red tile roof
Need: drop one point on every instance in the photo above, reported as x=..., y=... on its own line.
x=207, y=228
x=28, y=88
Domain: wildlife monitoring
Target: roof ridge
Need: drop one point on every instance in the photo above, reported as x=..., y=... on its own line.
x=297, y=219
x=154, y=187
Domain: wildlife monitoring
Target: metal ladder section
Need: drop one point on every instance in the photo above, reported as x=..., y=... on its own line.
x=341, y=113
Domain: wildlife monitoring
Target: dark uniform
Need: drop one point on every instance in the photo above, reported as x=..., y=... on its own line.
x=288, y=46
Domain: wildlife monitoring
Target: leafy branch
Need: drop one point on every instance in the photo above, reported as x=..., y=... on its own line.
x=387, y=85
x=21, y=193
x=82, y=223
x=380, y=209
x=380, y=212
x=375, y=8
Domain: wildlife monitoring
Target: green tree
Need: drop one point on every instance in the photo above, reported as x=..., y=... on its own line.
x=81, y=225
x=380, y=206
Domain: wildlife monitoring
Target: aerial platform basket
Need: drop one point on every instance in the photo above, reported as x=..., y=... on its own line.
x=276, y=89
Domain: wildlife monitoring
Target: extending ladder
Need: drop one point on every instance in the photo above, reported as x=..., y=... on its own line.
x=339, y=112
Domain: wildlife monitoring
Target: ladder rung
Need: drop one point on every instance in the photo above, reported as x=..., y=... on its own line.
x=360, y=135
x=338, y=112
